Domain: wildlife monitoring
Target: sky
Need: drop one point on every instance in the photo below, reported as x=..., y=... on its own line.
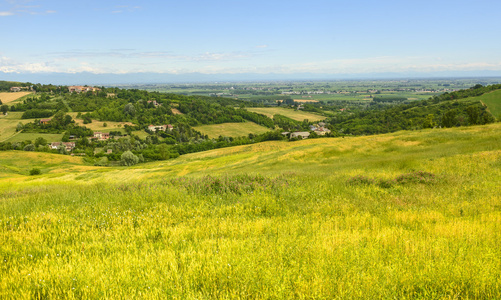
x=236, y=37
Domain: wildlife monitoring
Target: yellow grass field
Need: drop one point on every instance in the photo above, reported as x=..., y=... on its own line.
x=11, y=97
x=290, y=113
x=324, y=218
x=231, y=129
x=305, y=101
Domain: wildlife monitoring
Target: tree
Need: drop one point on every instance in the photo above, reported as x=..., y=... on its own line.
x=130, y=109
x=449, y=119
x=102, y=162
x=19, y=126
x=40, y=141
x=429, y=122
x=4, y=109
x=62, y=149
x=473, y=115
x=128, y=159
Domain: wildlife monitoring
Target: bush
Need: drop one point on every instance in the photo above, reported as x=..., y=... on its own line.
x=29, y=147
x=421, y=177
x=128, y=159
x=360, y=179
x=416, y=177
x=102, y=162
x=35, y=171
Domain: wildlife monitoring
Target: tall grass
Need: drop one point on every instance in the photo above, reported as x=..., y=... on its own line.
x=432, y=233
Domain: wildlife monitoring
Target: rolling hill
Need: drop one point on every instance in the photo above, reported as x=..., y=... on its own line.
x=402, y=215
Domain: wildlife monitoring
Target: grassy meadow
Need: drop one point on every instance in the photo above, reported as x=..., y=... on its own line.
x=290, y=113
x=231, y=129
x=49, y=137
x=9, y=123
x=493, y=102
x=99, y=125
x=408, y=215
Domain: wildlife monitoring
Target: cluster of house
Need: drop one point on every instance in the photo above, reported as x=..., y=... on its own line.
x=84, y=89
x=155, y=103
x=319, y=129
x=58, y=145
x=19, y=88
x=101, y=136
x=154, y=128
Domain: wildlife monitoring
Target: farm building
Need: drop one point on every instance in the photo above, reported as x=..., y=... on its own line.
x=68, y=145
x=155, y=103
x=321, y=131
x=44, y=121
x=101, y=135
x=154, y=128
x=300, y=135
x=80, y=89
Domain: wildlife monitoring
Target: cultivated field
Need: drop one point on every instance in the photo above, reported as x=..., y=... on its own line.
x=293, y=114
x=305, y=101
x=409, y=215
x=8, y=98
x=231, y=129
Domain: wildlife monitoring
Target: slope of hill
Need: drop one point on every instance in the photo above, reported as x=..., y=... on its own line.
x=493, y=102
x=403, y=215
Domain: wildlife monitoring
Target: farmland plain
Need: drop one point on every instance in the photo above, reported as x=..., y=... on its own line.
x=405, y=215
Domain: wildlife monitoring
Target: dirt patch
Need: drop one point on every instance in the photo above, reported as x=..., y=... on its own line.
x=176, y=111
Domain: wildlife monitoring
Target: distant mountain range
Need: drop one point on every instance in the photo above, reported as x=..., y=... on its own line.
x=143, y=78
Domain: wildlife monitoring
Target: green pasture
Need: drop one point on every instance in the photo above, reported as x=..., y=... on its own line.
x=297, y=115
x=100, y=125
x=493, y=102
x=49, y=137
x=231, y=129
x=408, y=215
x=9, y=123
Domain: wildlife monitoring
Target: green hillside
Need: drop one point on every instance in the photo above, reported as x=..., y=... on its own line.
x=405, y=215
x=493, y=102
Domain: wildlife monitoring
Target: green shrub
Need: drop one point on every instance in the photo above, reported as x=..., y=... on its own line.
x=35, y=171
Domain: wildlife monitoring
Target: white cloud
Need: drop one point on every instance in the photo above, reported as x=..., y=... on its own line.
x=19, y=7
x=164, y=55
x=125, y=8
x=122, y=61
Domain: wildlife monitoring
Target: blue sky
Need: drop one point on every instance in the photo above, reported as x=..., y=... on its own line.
x=273, y=36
